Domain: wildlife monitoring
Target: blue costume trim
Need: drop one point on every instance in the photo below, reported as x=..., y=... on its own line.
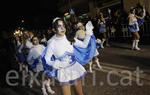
x=81, y=55
x=84, y=55
x=102, y=28
x=73, y=60
x=49, y=70
x=21, y=57
x=134, y=27
x=72, y=82
x=35, y=63
x=140, y=21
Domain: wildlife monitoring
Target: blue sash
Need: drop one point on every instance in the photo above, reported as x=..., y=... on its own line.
x=49, y=70
x=81, y=55
x=84, y=55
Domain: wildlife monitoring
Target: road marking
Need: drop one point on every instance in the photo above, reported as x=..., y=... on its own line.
x=123, y=67
x=144, y=77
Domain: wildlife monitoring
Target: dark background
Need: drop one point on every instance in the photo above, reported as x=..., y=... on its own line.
x=36, y=13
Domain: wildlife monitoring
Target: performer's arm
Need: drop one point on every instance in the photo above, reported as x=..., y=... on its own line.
x=20, y=48
x=84, y=43
x=89, y=33
x=30, y=58
x=139, y=17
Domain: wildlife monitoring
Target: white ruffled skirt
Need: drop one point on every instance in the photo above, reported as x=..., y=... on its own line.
x=70, y=74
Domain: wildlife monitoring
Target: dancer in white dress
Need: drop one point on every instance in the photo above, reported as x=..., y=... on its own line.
x=35, y=63
x=24, y=48
x=134, y=27
x=69, y=71
x=80, y=34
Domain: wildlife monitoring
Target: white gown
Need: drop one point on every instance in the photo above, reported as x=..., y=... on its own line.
x=60, y=47
x=35, y=53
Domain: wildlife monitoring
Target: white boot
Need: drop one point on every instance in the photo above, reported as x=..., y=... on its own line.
x=31, y=83
x=103, y=40
x=97, y=62
x=44, y=91
x=136, y=45
x=20, y=67
x=98, y=41
x=133, y=44
x=49, y=89
x=102, y=45
x=90, y=66
x=26, y=68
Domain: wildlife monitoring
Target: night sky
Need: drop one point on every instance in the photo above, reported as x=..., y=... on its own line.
x=34, y=12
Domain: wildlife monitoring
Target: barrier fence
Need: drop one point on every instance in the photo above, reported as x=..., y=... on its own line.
x=124, y=32
x=112, y=32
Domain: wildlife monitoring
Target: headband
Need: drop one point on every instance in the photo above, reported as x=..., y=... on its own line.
x=54, y=20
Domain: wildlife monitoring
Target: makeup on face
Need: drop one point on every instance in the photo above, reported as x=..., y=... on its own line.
x=61, y=27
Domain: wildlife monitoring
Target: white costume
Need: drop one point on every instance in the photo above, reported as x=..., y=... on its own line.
x=68, y=70
x=34, y=54
x=133, y=24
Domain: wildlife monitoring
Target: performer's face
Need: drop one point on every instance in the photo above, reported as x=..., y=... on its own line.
x=35, y=41
x=80, y=26
x=26, y=35
x=61, y=30
x=134, y=11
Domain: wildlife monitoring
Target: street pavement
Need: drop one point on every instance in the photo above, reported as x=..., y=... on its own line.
x=124, y=72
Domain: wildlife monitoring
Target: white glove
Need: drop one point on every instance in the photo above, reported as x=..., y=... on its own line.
x=62, y=64
x=98, y=41
x=29, y=44
x=57, y=64
x=89, y=28
x=66, y=61
x=144, y=12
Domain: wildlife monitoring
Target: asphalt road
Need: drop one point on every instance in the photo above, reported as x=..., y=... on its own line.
x=124, y=72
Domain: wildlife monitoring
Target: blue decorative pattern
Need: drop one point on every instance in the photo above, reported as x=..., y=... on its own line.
x=35, y=63
x=49, y=70
x=81, y=55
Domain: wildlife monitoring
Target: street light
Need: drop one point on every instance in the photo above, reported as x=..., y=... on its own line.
x=22, y=21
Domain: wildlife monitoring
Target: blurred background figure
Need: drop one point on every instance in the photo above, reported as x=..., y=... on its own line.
x=35, y=64
x=134, y=29
x=80, y=34
x=102, y=29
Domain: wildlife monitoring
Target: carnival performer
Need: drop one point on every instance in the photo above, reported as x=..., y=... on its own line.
x=102, y=29
x=80, y=34
x=141, y=13
x=134, y=29
x=61, y=59
x=35, y=64
x=19, y=55
x=24, y=48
